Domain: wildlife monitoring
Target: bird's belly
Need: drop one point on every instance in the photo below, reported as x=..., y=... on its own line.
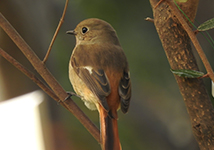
x=89, y=98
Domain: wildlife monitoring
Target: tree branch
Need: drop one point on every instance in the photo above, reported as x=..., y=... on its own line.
x=56, y=32
x=176, y=44
x=193, y=38
x=29, y=74
x=49, y=79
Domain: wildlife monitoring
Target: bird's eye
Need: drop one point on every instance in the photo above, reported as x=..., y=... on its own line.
x=84, y=30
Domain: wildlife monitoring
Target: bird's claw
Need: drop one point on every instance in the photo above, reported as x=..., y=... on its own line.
x=69, y=95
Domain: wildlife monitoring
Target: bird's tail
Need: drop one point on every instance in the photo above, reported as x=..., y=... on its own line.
x=109, y=131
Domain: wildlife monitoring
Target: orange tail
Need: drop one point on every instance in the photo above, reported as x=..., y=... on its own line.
x=109, y=131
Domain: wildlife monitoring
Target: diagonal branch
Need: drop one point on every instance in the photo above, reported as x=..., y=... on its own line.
x=47, y=76
x=29, y=74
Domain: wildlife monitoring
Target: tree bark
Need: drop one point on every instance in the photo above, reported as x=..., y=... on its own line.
x=176, y=44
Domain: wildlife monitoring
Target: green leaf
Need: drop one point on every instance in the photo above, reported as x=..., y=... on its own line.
x=181, y=1
x=209, y=24
x=188, y=73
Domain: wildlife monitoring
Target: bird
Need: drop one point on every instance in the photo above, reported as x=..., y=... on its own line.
x=99, y=73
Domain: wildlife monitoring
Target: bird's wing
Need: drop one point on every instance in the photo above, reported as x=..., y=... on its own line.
x=95, y=79
x=125, y=91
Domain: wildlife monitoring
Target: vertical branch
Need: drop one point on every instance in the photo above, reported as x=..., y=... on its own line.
x=176, y=44
x=193, y=38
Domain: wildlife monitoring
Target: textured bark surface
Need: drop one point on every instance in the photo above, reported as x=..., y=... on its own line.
x=176, y=44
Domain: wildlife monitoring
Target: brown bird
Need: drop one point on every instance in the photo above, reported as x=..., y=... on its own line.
x=99, y=73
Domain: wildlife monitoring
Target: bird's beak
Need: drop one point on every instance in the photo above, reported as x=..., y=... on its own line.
x=71, y=32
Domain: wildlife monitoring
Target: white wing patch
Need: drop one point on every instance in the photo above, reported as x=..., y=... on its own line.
x=89, y=68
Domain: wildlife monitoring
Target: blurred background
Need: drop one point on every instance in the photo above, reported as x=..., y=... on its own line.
x=157, y=118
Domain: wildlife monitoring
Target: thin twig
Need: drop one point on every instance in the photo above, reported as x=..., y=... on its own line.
x=193, y=38
x=149, y=19
x=28, y=73
x=48, y=77
x=56, y=32
x=204, y=76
